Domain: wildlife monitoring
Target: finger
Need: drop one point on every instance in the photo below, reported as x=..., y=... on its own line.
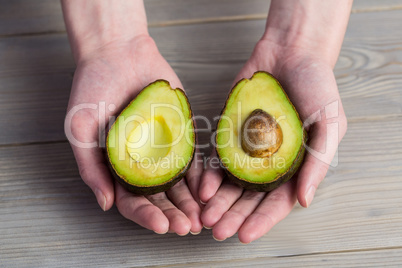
x=95, y=173
x=220, y=203
x=181, y=197
x=233, y=219
x=91, y=161
x=178, y=222
x=193, y=175
x=320, y=152
x=140, y=210
x=211, y=179
x=275, y=206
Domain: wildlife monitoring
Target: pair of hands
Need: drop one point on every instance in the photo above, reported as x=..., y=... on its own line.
x=117, y=72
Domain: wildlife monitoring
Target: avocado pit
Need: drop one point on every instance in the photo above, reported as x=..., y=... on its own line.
x=261, y=135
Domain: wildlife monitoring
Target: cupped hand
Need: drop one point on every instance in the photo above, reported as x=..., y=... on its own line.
x=105, y=81
x=310, y=84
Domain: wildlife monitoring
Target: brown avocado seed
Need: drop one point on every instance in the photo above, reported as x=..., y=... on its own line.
x=261, y=135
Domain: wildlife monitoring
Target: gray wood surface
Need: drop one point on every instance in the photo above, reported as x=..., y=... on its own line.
x=50, y=218
x=369, y=258
x=45, y=16
x=41, y=69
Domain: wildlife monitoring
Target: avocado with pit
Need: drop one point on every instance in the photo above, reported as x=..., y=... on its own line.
x=151, y=144
x=260, y=137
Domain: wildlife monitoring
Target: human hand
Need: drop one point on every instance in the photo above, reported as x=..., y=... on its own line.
x=311, y=86
x=105, y=81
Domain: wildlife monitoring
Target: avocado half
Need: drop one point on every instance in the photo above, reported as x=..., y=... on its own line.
x=260, y=137
x=151, y=144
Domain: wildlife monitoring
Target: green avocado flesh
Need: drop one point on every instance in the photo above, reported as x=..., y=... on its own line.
x=151, y=144
x=260, y=94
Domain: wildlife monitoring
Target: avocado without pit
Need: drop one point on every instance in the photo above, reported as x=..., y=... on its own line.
x=260, y=137
x=151, y=144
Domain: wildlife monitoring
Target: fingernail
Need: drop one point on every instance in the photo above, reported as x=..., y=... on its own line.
x=183, y=234
x=244, y=243
x=101, y=198
x=160, y=233
x=218, y=239
x=202, y=203
x=207, y=227
x=193, y=233
x=310, y=195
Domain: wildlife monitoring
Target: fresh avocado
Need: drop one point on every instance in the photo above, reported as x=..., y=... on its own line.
x=260, y=137
x=151, y=144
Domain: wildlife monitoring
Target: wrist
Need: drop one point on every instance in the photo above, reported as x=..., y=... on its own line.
x=314, y=28
x=285, y=46
x=94, y=26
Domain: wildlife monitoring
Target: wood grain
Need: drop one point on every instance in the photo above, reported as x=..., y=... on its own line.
x=30, y=17
x=32, y=109
x=49, y=216
x=45, y=16
x=206, y=58
x=366, y=258
x=360, y=6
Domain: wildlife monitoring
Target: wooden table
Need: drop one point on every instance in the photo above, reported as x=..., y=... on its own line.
x=49, y=217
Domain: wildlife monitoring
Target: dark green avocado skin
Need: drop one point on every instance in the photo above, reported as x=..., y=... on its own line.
x=267, y=187
x=153, y=189
x=150, y=190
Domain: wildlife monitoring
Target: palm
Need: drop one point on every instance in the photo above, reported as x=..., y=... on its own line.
x=311, y=86
x=110, y=79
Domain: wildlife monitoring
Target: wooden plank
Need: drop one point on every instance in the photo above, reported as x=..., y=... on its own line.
x=32, y=109
x=206, y=59
x=175, y=12
x=375, y=5
x=367, y=258
x=35, y=55
x=49, y=217
x=28, y=17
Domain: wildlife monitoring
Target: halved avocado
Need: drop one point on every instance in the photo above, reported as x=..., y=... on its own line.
x=260, y=137
x=151, y=144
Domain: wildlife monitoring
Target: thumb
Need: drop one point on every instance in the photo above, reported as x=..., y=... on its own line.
x=82, y=131
x=96, y=175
